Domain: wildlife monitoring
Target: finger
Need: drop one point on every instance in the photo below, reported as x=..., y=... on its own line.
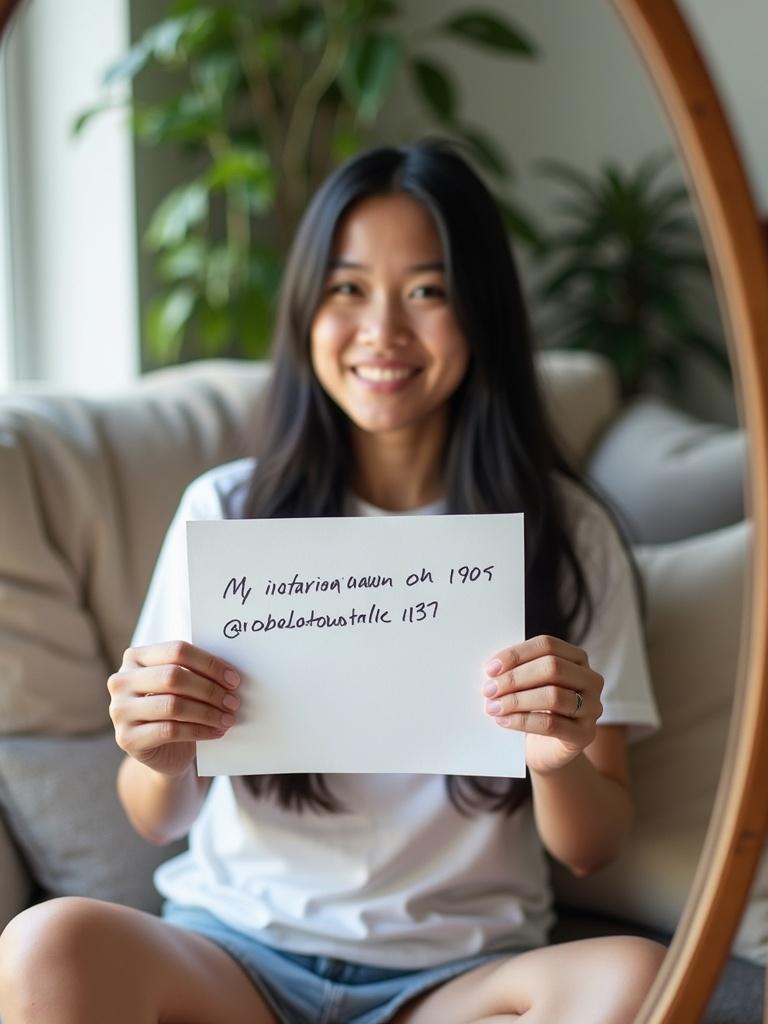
x=549, y=670
x=529, y=650
x=179, y=652
x=157, y=734
x=173, y=679
x=172, y=708
x=578, y=734
x=553, y=699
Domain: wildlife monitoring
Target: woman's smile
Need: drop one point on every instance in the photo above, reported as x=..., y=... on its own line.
x=385, y=377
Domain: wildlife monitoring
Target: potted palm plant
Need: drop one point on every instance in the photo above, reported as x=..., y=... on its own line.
x=622, y=273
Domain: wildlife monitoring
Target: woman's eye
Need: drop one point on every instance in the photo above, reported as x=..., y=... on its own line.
x=344, y=288
x=428, y=291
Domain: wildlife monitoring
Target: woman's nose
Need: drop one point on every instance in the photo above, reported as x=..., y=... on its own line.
x=384, y=324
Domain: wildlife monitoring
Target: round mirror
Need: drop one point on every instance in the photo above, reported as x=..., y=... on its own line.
x=739, y=263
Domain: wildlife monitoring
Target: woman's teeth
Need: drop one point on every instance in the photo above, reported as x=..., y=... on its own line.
x=379, y=373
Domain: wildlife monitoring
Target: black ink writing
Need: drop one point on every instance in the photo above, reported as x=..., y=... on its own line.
x=418, y=577
x=299, y=586
x=239, y=588
x=372, y=616
x=471, y=574
x=418, y=612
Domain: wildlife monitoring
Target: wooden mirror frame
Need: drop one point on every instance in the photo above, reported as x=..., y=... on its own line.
x=739, y=259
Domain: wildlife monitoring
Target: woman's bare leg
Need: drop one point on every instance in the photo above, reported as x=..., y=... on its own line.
x=81, y=961
x=603, y=981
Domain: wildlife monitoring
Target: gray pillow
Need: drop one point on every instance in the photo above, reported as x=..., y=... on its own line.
x=668, y=475
x=58, y=797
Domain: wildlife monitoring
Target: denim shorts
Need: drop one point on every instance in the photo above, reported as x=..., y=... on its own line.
x=303, y=989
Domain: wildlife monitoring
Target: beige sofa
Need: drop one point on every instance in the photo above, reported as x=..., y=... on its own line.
x=87, y=488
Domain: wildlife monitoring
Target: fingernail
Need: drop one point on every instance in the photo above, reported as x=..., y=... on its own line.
x=493, y=667
x=490, y=688
x=227, y=720
x=231, y=702
x=231, y=678
x=493, y=707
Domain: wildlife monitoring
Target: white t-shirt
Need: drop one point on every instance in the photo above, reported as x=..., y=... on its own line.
x=401, y=879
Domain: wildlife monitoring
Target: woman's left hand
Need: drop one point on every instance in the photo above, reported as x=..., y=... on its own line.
x=546, y=689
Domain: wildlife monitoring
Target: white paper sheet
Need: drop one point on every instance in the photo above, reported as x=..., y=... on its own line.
x=360, y=640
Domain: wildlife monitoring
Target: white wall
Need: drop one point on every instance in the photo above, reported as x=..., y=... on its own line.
x=74, y=260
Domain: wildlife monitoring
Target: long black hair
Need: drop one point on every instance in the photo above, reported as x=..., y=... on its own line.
x=500, y=454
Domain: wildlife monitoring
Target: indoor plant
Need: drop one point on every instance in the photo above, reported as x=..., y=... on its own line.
x=275, y=94
x=623, y=271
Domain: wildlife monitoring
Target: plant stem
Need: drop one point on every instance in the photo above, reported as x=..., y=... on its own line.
x=300, y=125
x=265, y=104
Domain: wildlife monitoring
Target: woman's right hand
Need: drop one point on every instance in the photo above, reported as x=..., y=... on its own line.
x=166, y=697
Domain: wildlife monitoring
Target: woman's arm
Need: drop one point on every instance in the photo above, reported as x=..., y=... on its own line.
x=166, y=698
x=584, y=810
x=160, y=807
x=546, y=688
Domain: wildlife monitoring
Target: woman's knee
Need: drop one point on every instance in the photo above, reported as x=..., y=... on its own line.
x=632, y=963
x=60, y=935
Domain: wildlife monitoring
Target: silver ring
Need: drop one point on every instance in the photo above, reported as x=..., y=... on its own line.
x=579, y=702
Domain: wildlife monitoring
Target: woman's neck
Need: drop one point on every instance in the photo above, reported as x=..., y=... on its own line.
x=397, y=472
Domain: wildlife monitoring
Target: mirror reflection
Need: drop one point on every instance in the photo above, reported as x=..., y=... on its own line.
x=118, y=258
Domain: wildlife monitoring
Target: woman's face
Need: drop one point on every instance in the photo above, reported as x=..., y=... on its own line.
x=385, y=342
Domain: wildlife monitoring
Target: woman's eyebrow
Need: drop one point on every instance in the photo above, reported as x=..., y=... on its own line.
x=416, y=268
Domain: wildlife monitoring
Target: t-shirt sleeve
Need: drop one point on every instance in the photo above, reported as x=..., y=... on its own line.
x=165, y=612
x=614, y=640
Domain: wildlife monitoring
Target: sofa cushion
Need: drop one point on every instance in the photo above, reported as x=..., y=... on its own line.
x=88, y=490
x=581, y=396
x=694, y=591
x=668, y=475
x=59, y=798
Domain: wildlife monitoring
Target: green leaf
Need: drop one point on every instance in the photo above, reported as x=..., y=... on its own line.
x=485, y=150
x=215, y=329
x=186, y=118
x=346, y=143
x=383, y=9
x=186, y=260
x=264, y=269
x=569, y=177
x=180, y=211
x=436, y=88
x=227, y=266
x=491, y=31
x=254, y=315
x=519, y=224
x=241, y=163
x=167, y=38
x=129, y=65
x=217, y=75
x=369, y=71
x=166, y=318
x=85, y=116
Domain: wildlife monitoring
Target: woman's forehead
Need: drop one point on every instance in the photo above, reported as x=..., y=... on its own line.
x=394, y=222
